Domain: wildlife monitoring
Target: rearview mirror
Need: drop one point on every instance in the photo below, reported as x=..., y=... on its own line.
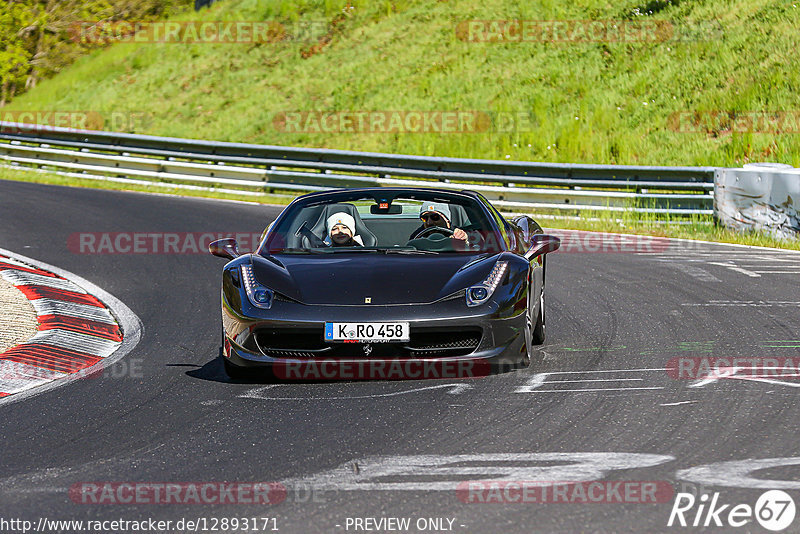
x=224, y=248
x=384, y=208
x=542, y=244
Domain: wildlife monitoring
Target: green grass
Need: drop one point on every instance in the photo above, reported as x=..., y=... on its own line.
x=589, y=102
x=701, y=228
x=72, y=181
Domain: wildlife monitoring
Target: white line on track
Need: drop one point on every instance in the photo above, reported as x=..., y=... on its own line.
x=743, y=303
x=584, y=390
x=607, y=371
x=790, y=261
x=731, y=373
x=594, y=380
x=734, y=268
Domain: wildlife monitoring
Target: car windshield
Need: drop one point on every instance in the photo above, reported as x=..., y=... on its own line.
x=413, y=223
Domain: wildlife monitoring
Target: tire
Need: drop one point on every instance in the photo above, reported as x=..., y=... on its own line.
x=538, y=334
x=234, y=371
x=527, y=349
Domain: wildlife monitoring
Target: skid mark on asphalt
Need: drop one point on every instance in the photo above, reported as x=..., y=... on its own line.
x=705, y=347
x=433, y=472
x=700, y=274
x=266, y=393
x=763, y=374
x=743, y=262
x=746, y=303
x=550, y=382
x=653, y=379
x=639, y=379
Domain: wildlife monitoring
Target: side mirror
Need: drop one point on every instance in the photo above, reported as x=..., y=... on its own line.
x=542, y=244
x=224, y=248
x=527, y=226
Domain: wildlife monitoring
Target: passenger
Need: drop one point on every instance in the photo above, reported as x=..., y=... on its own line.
x=437, y=214
x=341, y=231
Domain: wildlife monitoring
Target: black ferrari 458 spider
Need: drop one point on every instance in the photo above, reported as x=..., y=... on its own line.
x=385, y=283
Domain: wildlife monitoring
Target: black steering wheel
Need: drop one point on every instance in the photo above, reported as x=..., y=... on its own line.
x=313, y=239
x=434, y=230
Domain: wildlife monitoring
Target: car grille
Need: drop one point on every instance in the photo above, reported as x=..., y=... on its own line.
x=309, y=343
x=444, y=343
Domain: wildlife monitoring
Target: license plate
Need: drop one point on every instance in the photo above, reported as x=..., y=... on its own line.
x=366, y=332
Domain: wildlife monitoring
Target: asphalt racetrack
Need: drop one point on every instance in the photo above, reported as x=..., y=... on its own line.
x=601, y=406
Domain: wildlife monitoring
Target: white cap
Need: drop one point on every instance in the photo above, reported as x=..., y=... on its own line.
x=342, y=218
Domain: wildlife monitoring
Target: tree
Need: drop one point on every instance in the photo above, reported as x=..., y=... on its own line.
x=37, y=36
x=14, y=55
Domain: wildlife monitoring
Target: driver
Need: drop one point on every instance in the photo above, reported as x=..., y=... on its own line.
x=341, y=231
x=437, y=214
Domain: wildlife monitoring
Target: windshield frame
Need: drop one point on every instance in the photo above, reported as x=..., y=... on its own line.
x=377, y=195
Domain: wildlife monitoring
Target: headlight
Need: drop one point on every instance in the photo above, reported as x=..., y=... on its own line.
x=258, y=295
x=478, y=294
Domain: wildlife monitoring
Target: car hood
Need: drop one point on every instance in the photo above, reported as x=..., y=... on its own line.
x=350, y=278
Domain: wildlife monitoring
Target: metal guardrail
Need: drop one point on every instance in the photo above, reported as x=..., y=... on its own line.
x=263, y=168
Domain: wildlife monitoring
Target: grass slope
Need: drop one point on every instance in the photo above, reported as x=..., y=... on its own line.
x=589, y=102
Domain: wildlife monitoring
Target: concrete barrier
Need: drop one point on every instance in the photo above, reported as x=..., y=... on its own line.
x=762, y=197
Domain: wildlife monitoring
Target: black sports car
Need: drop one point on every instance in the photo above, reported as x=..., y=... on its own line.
x=385, y=283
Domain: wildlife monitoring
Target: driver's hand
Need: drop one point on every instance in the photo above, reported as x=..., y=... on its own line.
x=460, y=234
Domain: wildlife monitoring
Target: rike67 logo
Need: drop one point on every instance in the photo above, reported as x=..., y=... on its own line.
x=774, y=510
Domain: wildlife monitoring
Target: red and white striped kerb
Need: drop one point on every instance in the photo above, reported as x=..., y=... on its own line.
x=76, y=330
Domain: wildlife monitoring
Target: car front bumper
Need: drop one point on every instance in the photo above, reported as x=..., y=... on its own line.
x=501, y=344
